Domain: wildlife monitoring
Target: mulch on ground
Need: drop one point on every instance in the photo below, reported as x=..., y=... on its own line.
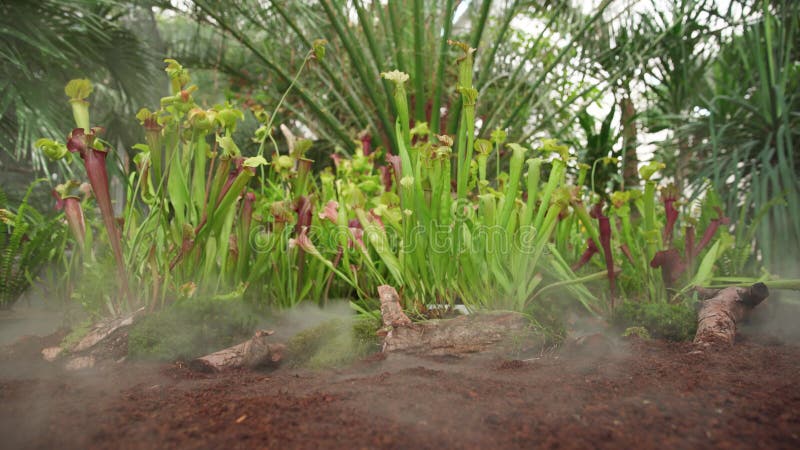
x=637, y=395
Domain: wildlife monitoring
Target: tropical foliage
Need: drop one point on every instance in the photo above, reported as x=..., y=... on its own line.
x=46, y=43
x=437, y=146
x=521, y=77
x=29, y=240
x=752, y=128
x=203, y=218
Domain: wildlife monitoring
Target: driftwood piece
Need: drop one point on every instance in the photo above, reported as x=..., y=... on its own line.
x=103, y=341
x=104, y=329
x=391, y=311
x=50, y=354
x=464, y=334
x=253, y=353
x=721, y=309
x=80, y=363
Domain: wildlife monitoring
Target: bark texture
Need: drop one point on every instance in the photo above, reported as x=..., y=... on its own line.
x=253, y=353
x=464, y=334
x=391, y=311
x=721, y=309
x=630, y=170
x=105, y=341
x=104, y=329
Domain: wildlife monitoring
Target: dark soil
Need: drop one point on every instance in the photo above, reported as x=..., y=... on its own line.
x=636, y=395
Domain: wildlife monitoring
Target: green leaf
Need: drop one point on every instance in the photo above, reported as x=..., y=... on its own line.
x=706, y=268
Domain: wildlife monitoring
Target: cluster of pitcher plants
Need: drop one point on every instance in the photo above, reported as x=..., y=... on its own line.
x=202, y=219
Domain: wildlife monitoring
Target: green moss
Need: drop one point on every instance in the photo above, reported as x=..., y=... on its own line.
x=333, y=343
x=674, y=322
x=76, y=334
x=640, y=332
x=364, y=329
x=548, y=320
x=191, y=328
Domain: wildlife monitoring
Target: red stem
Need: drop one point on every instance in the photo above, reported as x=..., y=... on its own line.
x=303, y=208
x=605, y=241
x=336, y=261
x=394, y=160
x=366, y=144
x=627, y=252
x=709, y=234
x=386, y=177
x=591, y=250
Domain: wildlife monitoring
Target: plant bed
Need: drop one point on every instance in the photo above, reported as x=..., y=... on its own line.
x=338, y=342
x=652, y=394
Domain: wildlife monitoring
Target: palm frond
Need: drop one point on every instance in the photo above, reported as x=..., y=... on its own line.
x=753, y=127
x=46, y=43
x=518, y=74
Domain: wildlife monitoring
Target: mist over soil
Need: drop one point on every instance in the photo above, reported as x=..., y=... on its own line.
x=287, y=324
x=778, y=317
x=636, y=395
x=31, y=315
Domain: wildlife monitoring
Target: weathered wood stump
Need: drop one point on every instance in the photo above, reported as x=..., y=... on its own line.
x=464, y=334
x=721, y=309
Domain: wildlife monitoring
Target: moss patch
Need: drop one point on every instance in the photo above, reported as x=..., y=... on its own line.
x=77, y=333
x=639, y=332
x=674, y=322
x=191, y=328
x=333, y=343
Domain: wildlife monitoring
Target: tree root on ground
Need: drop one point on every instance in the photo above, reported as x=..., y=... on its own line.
x=464, y=334
x=721, y=309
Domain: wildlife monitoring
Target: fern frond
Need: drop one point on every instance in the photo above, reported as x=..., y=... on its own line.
x=27, y=244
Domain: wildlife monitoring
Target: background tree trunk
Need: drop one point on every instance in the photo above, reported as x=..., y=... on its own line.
x=630, y=170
